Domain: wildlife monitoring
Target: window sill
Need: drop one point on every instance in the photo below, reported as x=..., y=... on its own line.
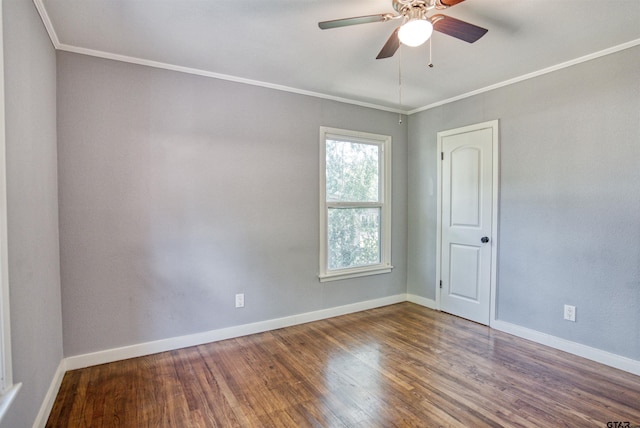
x=354, y=273
x=7, y=398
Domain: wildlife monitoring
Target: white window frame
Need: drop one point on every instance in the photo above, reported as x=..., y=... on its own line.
x=384, y=144
x=8, y=390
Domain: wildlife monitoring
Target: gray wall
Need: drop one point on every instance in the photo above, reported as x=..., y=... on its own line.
x=569, y=227
x=178, y=191
x=34, y=265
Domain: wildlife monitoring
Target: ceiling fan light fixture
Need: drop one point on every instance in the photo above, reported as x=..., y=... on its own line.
x=415, y=32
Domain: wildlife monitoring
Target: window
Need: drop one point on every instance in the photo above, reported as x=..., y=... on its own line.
x=355, y=204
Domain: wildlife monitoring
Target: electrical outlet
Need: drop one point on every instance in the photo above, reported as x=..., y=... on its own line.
x=240, y=300
x=570, y=313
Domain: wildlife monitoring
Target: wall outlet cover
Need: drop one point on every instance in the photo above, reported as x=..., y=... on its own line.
x=240, y=300
x=570, y=313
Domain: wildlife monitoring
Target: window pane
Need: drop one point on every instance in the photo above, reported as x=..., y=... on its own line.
x=352, y=171
x=354, y=237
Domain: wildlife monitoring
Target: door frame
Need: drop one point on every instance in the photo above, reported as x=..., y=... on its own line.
x=494, y=125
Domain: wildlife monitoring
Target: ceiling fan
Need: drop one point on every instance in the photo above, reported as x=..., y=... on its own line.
x=416, y=27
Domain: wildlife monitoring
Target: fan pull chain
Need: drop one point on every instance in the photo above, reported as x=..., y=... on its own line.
x=400, y=84
x=430, y=63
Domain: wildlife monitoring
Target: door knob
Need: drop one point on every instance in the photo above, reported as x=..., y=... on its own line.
x=484, y=239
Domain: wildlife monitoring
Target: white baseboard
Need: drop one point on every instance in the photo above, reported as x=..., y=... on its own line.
x=50, y=398
x=422, y=301
x=594, y=354
x=116, y=354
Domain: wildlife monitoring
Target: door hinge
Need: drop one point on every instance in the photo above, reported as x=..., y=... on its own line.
x=441, y=155
x=440, y=283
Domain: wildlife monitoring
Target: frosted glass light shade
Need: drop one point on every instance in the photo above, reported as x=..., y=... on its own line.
x=415, y=32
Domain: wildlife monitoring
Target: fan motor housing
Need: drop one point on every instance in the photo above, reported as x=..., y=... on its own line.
x=402, y=6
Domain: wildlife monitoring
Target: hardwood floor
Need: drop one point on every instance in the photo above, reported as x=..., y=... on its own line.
x=400, y=365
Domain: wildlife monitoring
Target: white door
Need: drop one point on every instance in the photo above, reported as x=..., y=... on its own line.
x=467, y=220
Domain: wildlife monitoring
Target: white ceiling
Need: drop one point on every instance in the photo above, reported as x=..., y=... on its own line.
x=277, y=43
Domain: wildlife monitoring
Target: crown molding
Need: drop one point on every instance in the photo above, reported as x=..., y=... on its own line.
x=205, y=73
x=528, y=76
x=44, y=16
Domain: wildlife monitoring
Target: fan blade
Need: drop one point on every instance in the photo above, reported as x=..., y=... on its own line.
x=392, y=45
x=324, y=25
x=447, y=3
x=457, y=28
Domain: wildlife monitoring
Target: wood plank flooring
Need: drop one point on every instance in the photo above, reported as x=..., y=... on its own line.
x=401, y=365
